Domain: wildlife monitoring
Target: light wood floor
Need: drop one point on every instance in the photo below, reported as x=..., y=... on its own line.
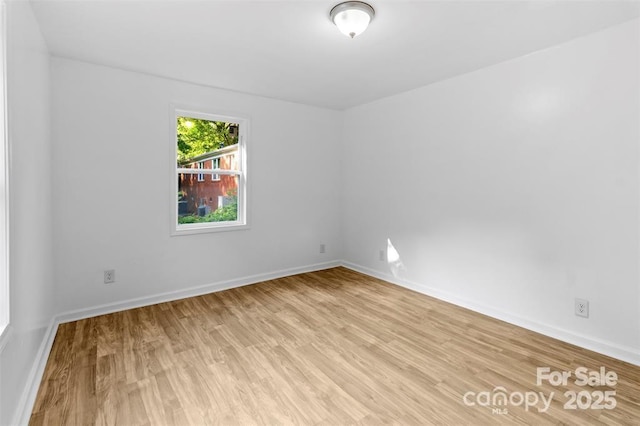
x=330, y=347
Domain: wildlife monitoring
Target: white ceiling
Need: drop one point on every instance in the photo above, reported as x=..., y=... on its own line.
x=290, y=50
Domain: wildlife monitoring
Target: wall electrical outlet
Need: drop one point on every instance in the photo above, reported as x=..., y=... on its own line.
x=382, y=256
x=109, y=276
x=582, y=308
x=323, y=248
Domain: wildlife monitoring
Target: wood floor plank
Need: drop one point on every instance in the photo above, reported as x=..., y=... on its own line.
x=326, y=348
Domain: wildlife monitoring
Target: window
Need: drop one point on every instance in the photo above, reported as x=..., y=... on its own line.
x=4, y=187
x=205, y=144
x=201, y=175
x=215, y=164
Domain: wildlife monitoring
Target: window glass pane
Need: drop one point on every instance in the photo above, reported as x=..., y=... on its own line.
x=215, y=164
x=201, y=140
x=207, y=200
x=201, y=175
x=202, y=145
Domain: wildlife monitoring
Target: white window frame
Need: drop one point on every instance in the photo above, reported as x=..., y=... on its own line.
x=215, y=177
x=243, y=217
x=200, y=175
x=5, y=298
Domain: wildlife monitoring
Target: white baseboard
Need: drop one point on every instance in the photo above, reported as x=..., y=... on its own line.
x=28, y=397
x=5, y=335
x=611, y=349
x=189, y=292
x=24, y=407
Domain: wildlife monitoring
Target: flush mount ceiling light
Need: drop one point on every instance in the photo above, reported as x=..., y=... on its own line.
x=352, y=17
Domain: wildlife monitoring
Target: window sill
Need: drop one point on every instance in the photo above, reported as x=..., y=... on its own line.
x=204, y=228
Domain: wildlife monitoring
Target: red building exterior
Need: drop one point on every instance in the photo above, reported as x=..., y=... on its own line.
x=203, y=193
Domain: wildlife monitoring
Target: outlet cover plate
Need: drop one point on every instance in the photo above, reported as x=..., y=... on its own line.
x=582, y=308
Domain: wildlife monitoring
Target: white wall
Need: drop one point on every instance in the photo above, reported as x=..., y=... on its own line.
x=513, y=189
x=109, y=124
x=31, y=268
